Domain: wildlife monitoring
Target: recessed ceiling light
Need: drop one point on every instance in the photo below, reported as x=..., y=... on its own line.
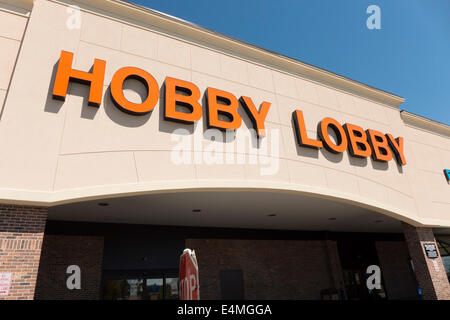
x=332, y=218
x=272, y=215
x=103, y=204
x=196, y=210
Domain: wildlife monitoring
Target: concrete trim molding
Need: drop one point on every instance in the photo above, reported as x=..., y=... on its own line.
x=425, y=123
x=22, y=7
x=131, y=13
x=53, y=198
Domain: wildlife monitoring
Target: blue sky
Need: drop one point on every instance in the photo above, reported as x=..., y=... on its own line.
x=409, y=56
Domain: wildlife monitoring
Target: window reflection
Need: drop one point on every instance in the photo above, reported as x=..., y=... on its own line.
x=127, y=289
x=171, y=288
x=157, y=288
x=135, y=289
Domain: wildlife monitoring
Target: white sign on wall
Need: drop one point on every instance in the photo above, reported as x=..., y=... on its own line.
x=5, y=283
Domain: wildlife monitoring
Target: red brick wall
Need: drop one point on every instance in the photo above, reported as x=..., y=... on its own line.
x=21, y=232
x=396, y=269
x=272, y=269
x=61, y=251
x=430, y=273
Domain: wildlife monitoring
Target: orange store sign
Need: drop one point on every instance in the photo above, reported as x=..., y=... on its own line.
x=360, y=143
x=180, y=93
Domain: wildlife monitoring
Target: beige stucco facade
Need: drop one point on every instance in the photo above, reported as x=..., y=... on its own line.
x=57, y=152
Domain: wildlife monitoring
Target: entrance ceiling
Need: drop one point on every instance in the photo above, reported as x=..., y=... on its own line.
x=237, y=209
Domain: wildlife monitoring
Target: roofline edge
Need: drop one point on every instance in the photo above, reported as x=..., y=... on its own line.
x=181, y=28
x=425, y=123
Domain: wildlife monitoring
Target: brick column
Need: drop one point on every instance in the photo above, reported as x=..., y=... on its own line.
x=61, y=251
x=21, y=233
x=430, y=273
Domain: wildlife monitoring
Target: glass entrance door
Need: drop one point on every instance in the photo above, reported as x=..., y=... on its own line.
x=144, y=287
x=122, y=289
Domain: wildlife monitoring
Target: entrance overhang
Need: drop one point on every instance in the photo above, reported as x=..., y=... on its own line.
x=50, y=199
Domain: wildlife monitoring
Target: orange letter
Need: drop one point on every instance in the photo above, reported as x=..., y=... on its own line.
x=397, y=147
x=65, y=73
x=257, y=118
x=358, y=146
x=302, y=135
x=322, y=130
x=146, y=79
x=189, y=100
x=228, y=109
x=379, y=144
